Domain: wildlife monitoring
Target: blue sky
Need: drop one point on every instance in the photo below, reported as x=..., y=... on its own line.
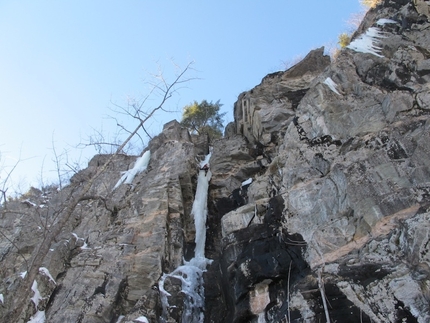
x=64, y=64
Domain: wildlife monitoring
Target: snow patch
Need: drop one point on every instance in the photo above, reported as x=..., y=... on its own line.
x=247, y=182
x=384, y=21
x=139, y=166
x=142, y=319
x=27, y=201
x=367, y=43
x=85, y=246
x=23, y=274
x=46, y=272
x=120, y=318
x=36, y=297
x=39, y=317
x=332, y=85
x=1, y=299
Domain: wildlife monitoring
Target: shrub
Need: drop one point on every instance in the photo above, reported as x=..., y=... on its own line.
x=344, y=40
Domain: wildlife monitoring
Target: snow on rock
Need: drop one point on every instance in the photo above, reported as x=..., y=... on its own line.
x=120, y=318
x=28, y=202
x=39, y=317
x=36, y=297
x=142, y=319
x=139, y=166
x=332, y=85
x=367, y=43
x=247, y=182
x=84, y=246
x=23, y=274
x=1, y=299
x=46, y=272
x=384, y=21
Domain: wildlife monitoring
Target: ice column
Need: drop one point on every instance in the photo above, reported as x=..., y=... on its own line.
x=191, y=273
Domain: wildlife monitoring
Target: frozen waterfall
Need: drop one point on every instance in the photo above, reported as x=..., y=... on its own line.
x=191, y=273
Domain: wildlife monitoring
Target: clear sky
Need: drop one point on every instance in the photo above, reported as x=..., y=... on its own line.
x=64, y=64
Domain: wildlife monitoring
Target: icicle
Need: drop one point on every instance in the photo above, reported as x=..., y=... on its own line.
x=367, y=42
x=139, y=166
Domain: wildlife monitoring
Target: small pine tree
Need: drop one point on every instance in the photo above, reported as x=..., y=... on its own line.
x=203, y=117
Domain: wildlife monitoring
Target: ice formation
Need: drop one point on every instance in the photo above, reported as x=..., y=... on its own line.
x=384, y=21
x=85, y=246
x=191, y=273
x=247, y=182
x=46, y=272
x=139, y=166
x=142, y=319
x=332, y=85
x=367, y=43
x=39, y=317
x=36, y=297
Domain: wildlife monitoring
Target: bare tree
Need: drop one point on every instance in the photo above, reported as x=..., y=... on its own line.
x=62, y=214
x=134, y=110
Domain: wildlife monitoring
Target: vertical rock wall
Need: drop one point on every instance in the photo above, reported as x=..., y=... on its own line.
x=339, y=204
x=107, y=261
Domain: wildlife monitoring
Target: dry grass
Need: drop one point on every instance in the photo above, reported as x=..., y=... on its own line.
x=344, y=40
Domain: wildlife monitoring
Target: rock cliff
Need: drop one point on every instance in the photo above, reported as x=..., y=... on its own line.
x=318, y=210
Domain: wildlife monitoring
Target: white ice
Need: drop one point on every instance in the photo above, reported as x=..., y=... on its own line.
x=139, y=166
x=39, y=317
x=85, y=246
x=200, y=209
x=384, y=21
x=191, y=273
x=247, y=182
x=36, y=297
x=332, y=85
x=142, y=319
x=120, y=318
x=1, y=299
x=367, y=43
x=46, y=272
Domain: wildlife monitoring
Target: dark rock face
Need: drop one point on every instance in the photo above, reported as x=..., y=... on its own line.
x=346, y=161
x=319, y=202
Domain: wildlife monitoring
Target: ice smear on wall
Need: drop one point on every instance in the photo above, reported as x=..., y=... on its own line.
x=142, y=319
x=367, y=43
x=46, y=272
x=139, y=166
x=39, y=317
x=36, y=297
x=191, y=273
x=247, y=182
x=120, y=318
x=384, y=21
x=332, y=85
